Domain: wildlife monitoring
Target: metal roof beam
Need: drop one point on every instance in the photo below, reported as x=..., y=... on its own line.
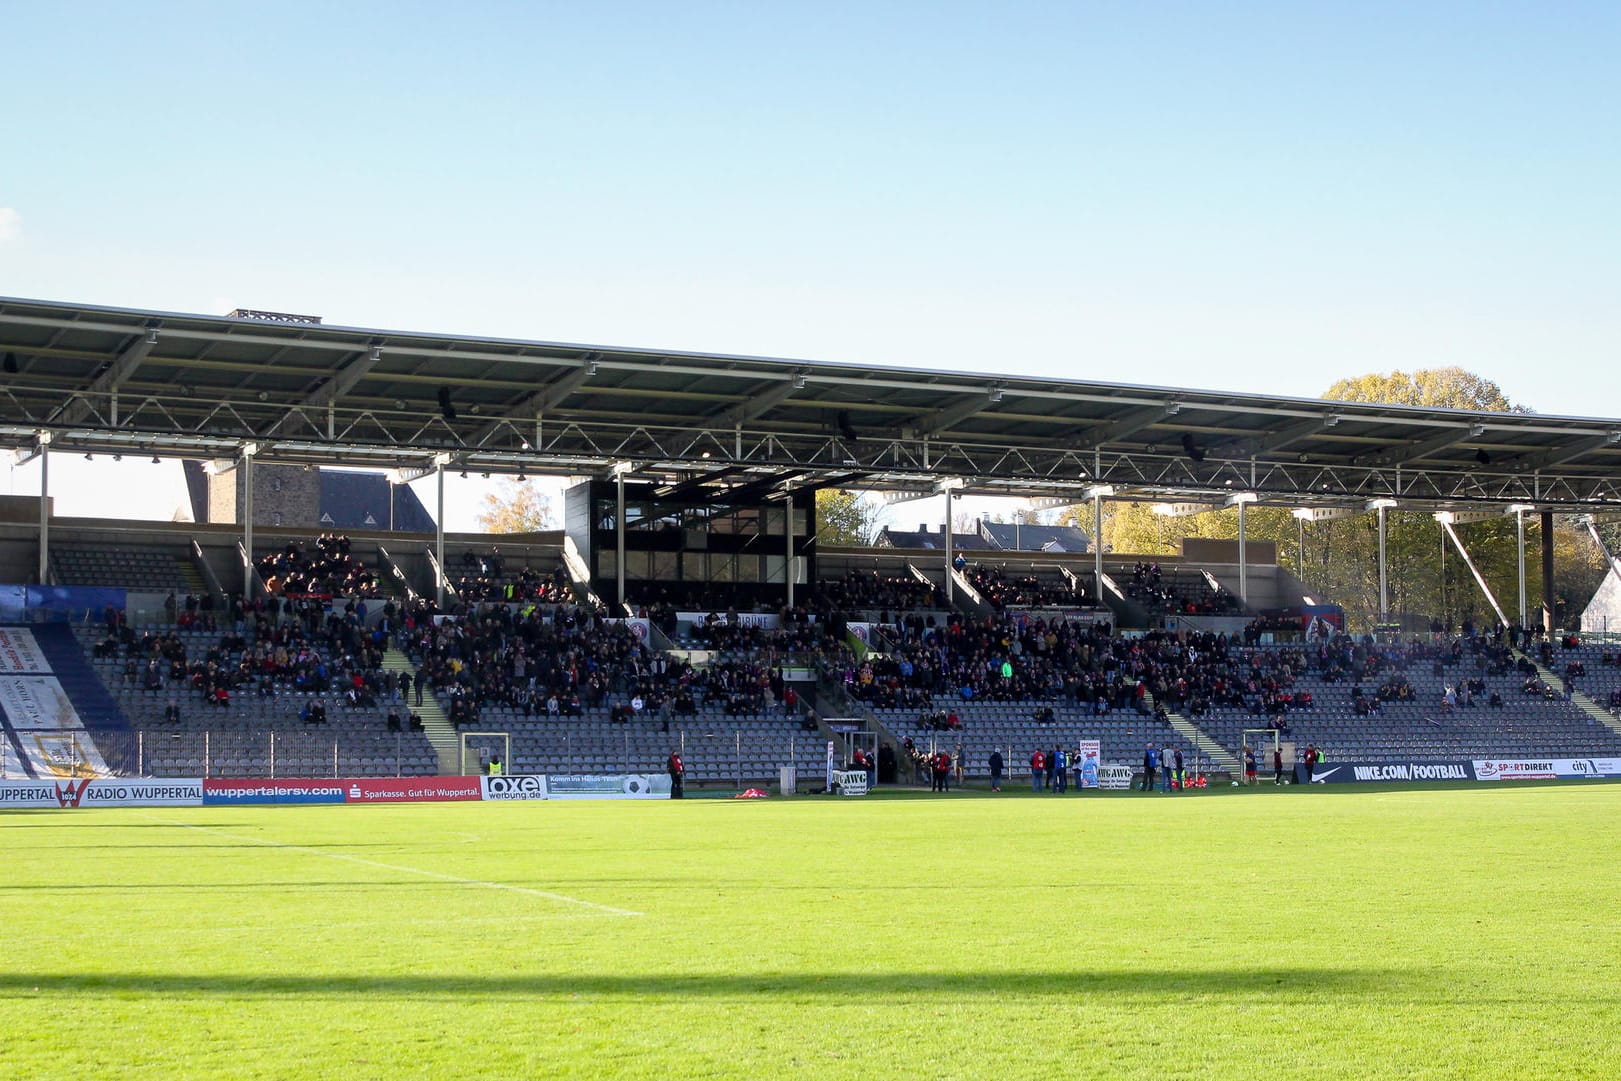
x=341, y=383
x=560, y=388
x=1425, y=448
x=1128, y=423
x=1293, y=433
x=114, y=376
x=1575, y=450
x=765, y=399
x=945, y=419
x=346, y=379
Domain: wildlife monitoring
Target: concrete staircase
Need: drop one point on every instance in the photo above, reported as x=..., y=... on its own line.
x=436, y=725
x=1221, y=756
x=192, y=577
x=1577, y=698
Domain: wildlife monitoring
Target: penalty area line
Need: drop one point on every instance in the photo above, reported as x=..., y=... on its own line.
x=442, y=876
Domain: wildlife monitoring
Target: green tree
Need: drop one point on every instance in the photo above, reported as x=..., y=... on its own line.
x=516, y=507
x=845, y=517
x=1440, y=388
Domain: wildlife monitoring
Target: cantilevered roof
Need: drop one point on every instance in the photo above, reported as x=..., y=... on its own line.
x=112, y=379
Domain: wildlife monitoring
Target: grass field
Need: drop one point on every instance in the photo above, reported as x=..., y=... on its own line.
x=1392, y=934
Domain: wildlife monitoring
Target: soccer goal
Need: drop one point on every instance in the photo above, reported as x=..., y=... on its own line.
x=1263, y=741
x=480, y=748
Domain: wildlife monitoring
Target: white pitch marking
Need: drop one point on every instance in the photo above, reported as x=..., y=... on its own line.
x=400, y=867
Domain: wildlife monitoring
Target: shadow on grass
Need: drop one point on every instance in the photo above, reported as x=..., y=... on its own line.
x=1224, y=983
x=255, y=886
x=54, y=818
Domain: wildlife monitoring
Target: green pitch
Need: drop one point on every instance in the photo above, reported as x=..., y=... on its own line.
x=1395, y=934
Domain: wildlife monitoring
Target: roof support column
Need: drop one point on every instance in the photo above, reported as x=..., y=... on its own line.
x=1243, y=561
x=44, y=508
x=1519, y=566
x=248, y=451
x=1096, y=494
x=788, y=533
x=1445, y=519
x=1243, y=500
x=1547, y=572
x=619, y=537
x=1300, y=547
x=439, y=462
x=950, y=569
x=1384, y=571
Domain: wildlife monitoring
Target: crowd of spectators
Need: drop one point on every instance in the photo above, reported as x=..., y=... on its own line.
x=1002, y=590
x=1178, y=592
x=871, y=591
x=263, y=657
x=564, y=660
x=325, y=570
x=486, y=577
x=1003, y=659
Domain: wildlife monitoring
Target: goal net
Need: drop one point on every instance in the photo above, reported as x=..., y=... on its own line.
x=1263, y=741
x=479, y=749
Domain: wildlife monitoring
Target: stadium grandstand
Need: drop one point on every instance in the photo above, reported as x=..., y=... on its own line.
x=317, y=620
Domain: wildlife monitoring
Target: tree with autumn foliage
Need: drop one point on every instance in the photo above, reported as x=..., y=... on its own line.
x=516, y=507
x=846, y=518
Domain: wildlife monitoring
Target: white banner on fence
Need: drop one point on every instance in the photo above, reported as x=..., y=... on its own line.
x=520, y=786
x=101, y=793
x=19, y=652
x=1117, y=778
x=607, y=786
x=852, y=782
x=1089, y=762
x=53, y=737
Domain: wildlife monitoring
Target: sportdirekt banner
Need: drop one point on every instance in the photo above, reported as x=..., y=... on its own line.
x=1352, y=772
x=101, y=793
x=1501, y=769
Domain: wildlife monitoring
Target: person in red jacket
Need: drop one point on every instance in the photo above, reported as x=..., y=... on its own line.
x=678, y=775
x=1038, y=765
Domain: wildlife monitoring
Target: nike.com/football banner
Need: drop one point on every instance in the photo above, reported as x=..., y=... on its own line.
x=1338, y=772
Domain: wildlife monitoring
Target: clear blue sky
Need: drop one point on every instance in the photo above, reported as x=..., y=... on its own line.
x=1258, y=197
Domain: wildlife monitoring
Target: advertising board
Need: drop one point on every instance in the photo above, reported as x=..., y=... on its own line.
x=1354, y=772
x=518, y=786
x=121, y=792
x=607, y=786
x=1545, y=769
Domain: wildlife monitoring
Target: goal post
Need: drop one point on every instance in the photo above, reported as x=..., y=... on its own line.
x=1263, y=741
x=478, y=748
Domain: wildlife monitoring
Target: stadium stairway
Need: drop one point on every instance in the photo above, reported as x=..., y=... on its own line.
x=1577, y=698
x=192, y=577
x=91, y=699
x=435, y=724
x=1206, y=746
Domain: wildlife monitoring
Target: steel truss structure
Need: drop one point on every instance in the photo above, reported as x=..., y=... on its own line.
x=292, y=391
